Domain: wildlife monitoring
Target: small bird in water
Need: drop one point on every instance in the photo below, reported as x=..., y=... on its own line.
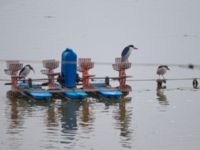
x=162, y=70
x=127, y=52
x=24, y=72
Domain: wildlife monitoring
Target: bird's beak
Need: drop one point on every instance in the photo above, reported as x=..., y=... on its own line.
x=33, y=70
x=134, y=48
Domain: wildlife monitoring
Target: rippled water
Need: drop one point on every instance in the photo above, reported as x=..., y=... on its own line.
x=60, y=124
x=152, y=119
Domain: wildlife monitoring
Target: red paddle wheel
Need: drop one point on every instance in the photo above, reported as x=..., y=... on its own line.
x=85, y=64
x=121, y=68
x=50, y=65
x=13, y=66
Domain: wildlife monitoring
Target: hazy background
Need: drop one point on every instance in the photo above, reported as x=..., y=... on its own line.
x=165, y=31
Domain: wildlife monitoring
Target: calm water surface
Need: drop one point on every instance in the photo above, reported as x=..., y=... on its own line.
x=153, y=119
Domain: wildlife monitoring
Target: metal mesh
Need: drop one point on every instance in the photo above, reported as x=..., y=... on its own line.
x=85, y=63
x=50, y=64
x=44, y=71
x=119, y=66
x=12, y=62
x=14, y=65
x=119, y=60
x=9, y=72
x=84, y=60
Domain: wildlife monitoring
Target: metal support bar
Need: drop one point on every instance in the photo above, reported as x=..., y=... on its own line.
x=195, y=84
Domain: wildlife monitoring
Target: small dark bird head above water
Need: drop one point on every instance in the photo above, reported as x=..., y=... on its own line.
x=127, y=52
x=26, y=70
x=163, y=66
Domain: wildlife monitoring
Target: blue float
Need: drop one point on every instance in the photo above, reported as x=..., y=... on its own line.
x=76, y=94
x=39, y=95
x=105, y=91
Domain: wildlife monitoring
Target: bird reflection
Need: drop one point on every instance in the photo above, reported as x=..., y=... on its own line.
x=162, y=98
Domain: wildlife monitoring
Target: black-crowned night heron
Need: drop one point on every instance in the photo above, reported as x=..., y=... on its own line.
x=25, y=71
x=127, y=52
x=162, y=70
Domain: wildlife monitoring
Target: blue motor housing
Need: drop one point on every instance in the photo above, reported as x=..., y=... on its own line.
x=69, y=68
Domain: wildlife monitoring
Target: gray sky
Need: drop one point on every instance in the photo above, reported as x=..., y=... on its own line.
x=165, y=31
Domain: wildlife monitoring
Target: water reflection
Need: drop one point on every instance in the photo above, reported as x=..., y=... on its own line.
x=86, y=113
x=123, y=117
x=52, y=116
x=17, y=112
x=64, y=124
x=86, y=116
x=108, y=101
x=69, y=125
x=162, y=98
x=22, y=108
x=16, y=118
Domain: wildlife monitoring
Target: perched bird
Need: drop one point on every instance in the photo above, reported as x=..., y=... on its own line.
x=25, y=71
x=127, y=52
x=162, y=70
